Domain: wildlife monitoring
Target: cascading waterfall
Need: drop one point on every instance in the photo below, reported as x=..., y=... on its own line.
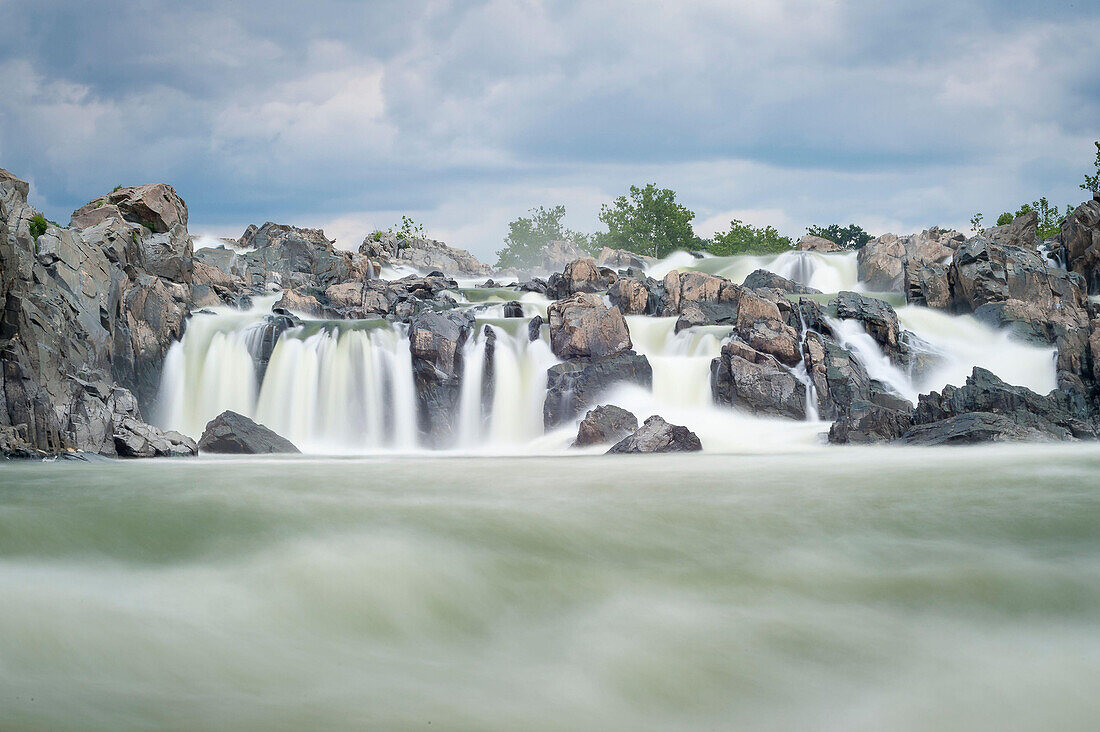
x=826, y=272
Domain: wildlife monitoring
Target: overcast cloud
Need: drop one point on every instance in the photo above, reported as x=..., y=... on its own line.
x=341, y=114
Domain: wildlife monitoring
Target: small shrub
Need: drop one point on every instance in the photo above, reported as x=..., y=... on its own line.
x=116, y=188
x=1005, y=218
x=38, y=225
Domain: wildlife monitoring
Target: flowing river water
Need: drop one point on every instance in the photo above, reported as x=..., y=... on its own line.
x=509, y=582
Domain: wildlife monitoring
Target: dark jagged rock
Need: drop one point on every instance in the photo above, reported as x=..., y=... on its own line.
x=235, y=434
x=605, y=424
x=1080, y=238
x=580, y=275
x=762, y=279
x=972, y=428
x=868, y=422
x=436, y=341
x=657, y=435
x=756, y=382
x=882, y=261
x=879, y=320
x=422, y=253
x=135, y=439
x=581, y=326
x=534, y=328
x=1022, y=231
x=838, y=378
x=284, y=257
x=513, y=309
x=576, y=385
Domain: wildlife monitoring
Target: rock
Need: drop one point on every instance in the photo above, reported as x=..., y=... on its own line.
x=577, y=385
x=513, y=309
x=879, y=320
x=580, y=275
x=867, y=422
x=359, y=300
x=762, y=279
x=1022, y=232
x=436, y=341
x=631, y=296
x=235, y=434
x=1080, y=237
x=838, y=378
x=971, y=428
x=94, y=411
x=881, y=262
x=657, y=435
x=605, y=424
x=715, y=296
x=284, y=257
x=761, y=326
x=298, y=301
x=582, y=326
x=422, y=253
x=928, y=285
x=534, y=328
x=810, y=243
x=756, y=382
x=135, y=439
x=622, y=259
x=556, y=254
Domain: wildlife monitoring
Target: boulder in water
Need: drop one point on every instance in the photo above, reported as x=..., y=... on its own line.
x=605, y=424
x=811, y=243
x=881, y=262
x=134, y=438
x=657, y=435
x=838, y=378
x=235, y=434
x=878, y=318
x=576, y=385
x=631, y=296
x=436, y=341
x=756, y=382
x=582, y=326
x=762, y=279
x=580, y=275
x=534, y=328
x=715, y=296
x=513, y=309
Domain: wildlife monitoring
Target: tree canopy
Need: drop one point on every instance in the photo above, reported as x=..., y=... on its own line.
x=849, y=237
x=527, y=236
x=745, y=238
x=649, y=221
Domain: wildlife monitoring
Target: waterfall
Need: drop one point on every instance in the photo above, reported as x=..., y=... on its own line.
x=680, y=361
x=826, y=272
x=853, y=336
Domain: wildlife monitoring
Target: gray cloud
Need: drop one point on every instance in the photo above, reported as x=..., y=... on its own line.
x=346, y=114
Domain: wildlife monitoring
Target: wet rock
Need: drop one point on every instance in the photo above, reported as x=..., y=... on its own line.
x=94, y=410
x=580, y=275
x=513, y=309
x=838, y=378
x=881, y=262
x=357, y=300
x=756, y=382
x=582, y=326
x=761, y=325
x=605, y=424
x=713, y=295
x=879, y=320
x=135, y=439
x=577, y=385
x=1080, y=236
x=299, y=301
x=867, y=422
x=436, y=341
x=762, y=279
x=235, y=434
x=810, y=243
x=631, y=296
x=657, y=435
x=972, y=428
x=534, y=328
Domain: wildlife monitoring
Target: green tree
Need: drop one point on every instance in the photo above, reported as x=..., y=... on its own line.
x=38, y=225
x=849, y=237
x=408, y=229
x=1050, y=219
x=745, y=238
x=976, y=223
x=527, y=236
x=1092, y=182
x=1005, y=218
x=649, y=222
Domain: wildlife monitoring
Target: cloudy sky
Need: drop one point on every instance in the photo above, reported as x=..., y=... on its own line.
x=895, y=115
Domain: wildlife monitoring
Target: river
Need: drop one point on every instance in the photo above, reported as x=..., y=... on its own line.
x=824, y=588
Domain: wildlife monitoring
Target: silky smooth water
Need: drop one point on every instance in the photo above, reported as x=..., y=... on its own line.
x=836, y=589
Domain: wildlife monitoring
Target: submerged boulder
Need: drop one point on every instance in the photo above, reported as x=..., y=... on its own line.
x=657, y=435
x=605, y=424
x=236, y=434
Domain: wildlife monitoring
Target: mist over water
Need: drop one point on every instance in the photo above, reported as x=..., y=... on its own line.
x=840, y=589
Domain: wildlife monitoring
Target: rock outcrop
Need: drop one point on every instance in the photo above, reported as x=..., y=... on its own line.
x=657, y=435
x=810, y=243
x=577, y=384
x=756, y=382
x=582, y=326
x=881, y=262
x=606, y=424
x=436, y=340
x=231, y=433
x=1080, y=239
x=580, y=275
x=762, y=279
x=424, y=254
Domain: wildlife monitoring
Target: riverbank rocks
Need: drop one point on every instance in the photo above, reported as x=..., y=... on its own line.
x=756, y=382
x=1080, y=239
x=605, y=424
x=231, y=433
x=577, y=384
x=582, y=326
x=657, y=435
x=135, y=439
x=881, y=262
x=422, y=253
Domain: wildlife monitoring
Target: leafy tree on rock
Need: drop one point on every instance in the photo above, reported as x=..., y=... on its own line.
x=849, y=237
x=649, y=221
x=527, y=236
x=1092, y=182
x=745, y=238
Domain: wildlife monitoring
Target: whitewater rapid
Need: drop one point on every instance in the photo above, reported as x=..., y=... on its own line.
x=347, y=387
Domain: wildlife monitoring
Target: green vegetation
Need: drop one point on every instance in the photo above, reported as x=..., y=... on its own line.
x=1050, y=218
x=745, y=238
x=649, y=222
x=1092, y=182
x=38, y=225
x=409, y=229
x=849, y=237
x=976, y=223
x=527, y=235
x=116, y=188
x=1003, y=219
